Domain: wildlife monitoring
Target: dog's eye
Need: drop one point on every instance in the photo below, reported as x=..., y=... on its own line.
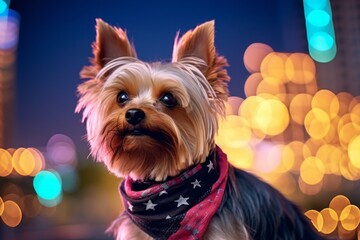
x=122, y=97
x=168, y=100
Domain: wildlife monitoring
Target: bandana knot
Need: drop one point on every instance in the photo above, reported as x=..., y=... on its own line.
x=181, y=207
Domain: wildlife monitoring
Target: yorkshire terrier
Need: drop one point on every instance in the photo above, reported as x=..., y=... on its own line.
x=154, y=125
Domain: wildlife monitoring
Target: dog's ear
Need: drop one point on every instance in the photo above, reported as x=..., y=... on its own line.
x=196, y=43
x=200, y=43
x=111, y=43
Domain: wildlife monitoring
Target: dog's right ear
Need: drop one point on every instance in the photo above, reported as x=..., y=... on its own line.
x=111, y=42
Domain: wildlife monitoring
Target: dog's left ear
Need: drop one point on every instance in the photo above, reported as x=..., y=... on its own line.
x=200, y=43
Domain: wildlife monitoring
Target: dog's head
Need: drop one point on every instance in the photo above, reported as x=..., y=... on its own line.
x=152, y=120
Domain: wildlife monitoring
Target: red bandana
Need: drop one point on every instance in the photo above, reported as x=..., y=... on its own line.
x=182, y=207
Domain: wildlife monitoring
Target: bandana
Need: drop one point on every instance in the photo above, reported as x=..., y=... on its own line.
x=181, y=207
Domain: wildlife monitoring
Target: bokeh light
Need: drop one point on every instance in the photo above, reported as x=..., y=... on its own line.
x=251, y=84
x=300, y=105
x=69, y=178
x=6, y=165
x=61, y=150
x=247, y=156
x=267, y=157
x=235, y=103
x=274, y=65
x=234, y=132
x=300, y=69
x=9, y=28
x=12, y=214
x=338, y=203
x=317, y=123
x=354, y=151
x=316, y=219
x=312, y=170
x=326, y=101
x=28, y=161
x=47, y=185
x=1, y=206
x=330, y=220
x=3, y=7
x=350, y=217
x=303, y=140
x=271, y=117
x=254, y=55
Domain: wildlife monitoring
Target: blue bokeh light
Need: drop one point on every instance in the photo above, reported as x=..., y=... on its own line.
x=47, y=185
x=321, y=41
x=3, y=6
x=318, y=18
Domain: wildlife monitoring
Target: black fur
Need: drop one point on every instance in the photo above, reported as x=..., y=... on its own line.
x=264, y=211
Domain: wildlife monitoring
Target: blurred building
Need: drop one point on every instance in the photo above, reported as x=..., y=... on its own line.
x=9, y=28
x=343, y=73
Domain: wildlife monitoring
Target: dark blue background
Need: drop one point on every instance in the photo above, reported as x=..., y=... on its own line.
x=55, y=42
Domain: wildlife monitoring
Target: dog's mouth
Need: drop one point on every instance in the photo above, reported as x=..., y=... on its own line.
x=139, y=132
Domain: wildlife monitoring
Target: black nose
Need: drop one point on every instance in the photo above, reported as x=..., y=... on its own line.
x=134, y=116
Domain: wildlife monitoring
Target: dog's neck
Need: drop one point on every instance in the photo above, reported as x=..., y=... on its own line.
x=180, y=206
x=140, y=185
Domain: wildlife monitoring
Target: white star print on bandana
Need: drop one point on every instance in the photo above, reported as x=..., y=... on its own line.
x=196, y=183
x=150, y=205
x=182, y=201
x=181, y=207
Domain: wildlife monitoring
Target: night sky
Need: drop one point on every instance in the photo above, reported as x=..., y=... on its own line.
x=55, y=43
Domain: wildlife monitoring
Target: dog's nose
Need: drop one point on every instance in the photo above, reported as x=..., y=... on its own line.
x=134, y=116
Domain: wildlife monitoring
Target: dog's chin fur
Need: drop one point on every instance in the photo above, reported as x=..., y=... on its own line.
x=171, y=138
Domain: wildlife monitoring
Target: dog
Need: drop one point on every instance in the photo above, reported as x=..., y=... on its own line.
x=154, y=125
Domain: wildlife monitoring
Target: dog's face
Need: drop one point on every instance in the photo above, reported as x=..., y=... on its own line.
x=151, y=121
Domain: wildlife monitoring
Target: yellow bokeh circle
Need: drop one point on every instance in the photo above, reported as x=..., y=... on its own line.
x=271, y=117
x=240, y=157
x=330, y=220
x=354, y=151
x=317, y=123
x=338, y=203
x=234, y=131
x=273, y=65
x=300, y=105
x=12, y=214
x=312, y=170
x=350, y=217
x=347, y=133
x=6, y=165
x=316, y=219
x=1, y=206
x=300, y=68
x=326, y=101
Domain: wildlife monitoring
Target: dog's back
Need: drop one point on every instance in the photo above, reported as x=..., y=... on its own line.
x=257, y=211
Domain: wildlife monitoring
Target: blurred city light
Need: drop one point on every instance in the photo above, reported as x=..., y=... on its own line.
x=47, y=185
x=301, y=139
x=61, y=150
x=4, y=5
x=9, y=29
x=320, y=30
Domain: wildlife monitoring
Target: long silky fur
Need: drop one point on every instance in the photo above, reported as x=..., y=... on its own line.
x=254, y=210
